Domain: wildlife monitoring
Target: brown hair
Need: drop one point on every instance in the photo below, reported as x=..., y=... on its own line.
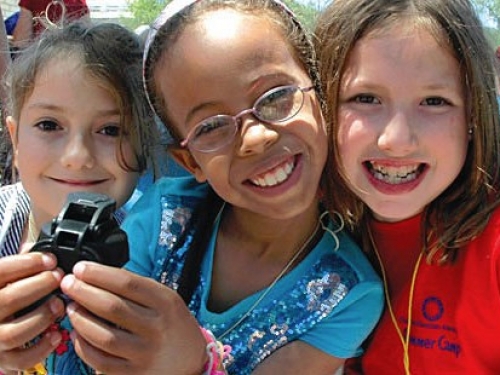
x=462, y=211
x=110, y=53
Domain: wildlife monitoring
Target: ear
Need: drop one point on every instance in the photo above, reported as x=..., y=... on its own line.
x=184, y=158
x=12, y=127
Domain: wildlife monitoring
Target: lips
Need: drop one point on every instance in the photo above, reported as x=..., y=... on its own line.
x=276, y=176
x=79, y=182
x=395, y=174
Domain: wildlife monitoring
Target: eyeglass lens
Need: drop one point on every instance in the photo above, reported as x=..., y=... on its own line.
x=277, y=105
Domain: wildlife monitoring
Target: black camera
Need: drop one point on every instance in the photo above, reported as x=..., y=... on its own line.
x=84, y=230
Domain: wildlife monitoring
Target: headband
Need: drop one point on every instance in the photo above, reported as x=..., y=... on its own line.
x=173, y=8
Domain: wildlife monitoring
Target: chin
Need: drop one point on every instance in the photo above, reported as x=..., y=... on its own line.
x=392, y=214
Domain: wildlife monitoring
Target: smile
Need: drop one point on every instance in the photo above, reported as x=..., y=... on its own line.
x=276, y=176
x=79, y=182
x=394, y=175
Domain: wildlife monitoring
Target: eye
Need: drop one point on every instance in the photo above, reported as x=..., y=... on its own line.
x=111, y=130
x=279, y=105
x=435, y=101
x=211, y=125
x=365, y=99
x=47, y=126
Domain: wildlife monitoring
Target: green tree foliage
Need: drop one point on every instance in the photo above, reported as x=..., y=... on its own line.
x=306, y=13
x=490, y=11
x=145, y=11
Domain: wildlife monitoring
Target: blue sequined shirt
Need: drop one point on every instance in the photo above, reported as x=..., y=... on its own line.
x=331, y=300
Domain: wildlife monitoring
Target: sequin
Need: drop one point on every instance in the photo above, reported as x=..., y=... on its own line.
x=274, y=322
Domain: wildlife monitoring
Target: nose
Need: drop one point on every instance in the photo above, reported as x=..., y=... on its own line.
x=398, y=137
x=256, y=137
x=78, y=153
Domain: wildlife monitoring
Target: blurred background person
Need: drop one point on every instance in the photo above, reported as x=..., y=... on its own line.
x=37, y=15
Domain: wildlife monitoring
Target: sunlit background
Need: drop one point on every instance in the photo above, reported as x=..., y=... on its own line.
x=133, y=13
x=137, y=13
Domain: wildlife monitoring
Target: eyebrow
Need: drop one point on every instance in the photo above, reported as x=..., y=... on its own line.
x=57, y=108
x=197, y=108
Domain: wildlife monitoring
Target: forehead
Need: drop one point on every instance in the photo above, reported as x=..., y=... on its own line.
x=413, y=55
x=248, y=39
x=407, y=25
x=224, y=57
x=225, y=29
x=227, y=44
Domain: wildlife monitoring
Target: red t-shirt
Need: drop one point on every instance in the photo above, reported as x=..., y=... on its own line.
x=455, y=325
x=74, y=10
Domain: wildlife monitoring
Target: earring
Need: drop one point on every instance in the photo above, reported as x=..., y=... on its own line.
x=470, y=131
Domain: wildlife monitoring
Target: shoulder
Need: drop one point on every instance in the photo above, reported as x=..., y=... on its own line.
x=490, y=237
x=482, y=254
x=166, y=194
x=158, y=221
x=186, y=186
x=344, y=254
x=343, y=266
x=14, y=211
x=13, y=195
x=337, y=270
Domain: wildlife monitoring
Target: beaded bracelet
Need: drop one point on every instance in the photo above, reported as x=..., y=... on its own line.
x=216, y=352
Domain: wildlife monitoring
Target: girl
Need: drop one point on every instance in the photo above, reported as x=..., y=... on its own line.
x=247, y=244
x=79, y=122
x=84, y=113
x=411, y=98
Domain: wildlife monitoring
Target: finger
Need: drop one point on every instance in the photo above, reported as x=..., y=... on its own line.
x=22, y=358
x=101, y=361
x=109, y=339
x=25, y=292
x=15, y=267
x=142, y=290
x=108, y=306
x=15, y=333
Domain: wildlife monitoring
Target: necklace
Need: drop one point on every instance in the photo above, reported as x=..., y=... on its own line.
x=405, y=341
x=285, y=269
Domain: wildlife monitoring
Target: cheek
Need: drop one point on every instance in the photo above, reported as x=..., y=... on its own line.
x=126, y=188
x=347, y=136
x=353, y=140
x=29, y=149
x=125, y=152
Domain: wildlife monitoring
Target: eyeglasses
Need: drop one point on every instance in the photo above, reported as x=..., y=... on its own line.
x=273, y=107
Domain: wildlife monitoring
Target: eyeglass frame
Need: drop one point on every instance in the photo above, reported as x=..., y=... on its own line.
x=236, y=119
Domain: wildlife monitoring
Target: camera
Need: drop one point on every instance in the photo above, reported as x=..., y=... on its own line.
x=85, y=229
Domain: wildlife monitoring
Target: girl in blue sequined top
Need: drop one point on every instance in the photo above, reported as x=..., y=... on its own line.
x=243, y=247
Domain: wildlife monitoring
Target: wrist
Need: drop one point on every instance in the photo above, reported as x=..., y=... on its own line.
x=216, y=353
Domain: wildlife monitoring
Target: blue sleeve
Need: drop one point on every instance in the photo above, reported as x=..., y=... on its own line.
x=143, y=222
x=142, y=225
x=342, y=333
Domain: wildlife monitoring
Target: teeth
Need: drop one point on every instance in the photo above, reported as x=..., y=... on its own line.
x=275, y=177
x=394, y=175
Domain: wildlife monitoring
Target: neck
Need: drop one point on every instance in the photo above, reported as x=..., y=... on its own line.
x=268, y=237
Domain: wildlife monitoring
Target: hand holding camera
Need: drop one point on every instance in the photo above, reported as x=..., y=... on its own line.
x=84, y=230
